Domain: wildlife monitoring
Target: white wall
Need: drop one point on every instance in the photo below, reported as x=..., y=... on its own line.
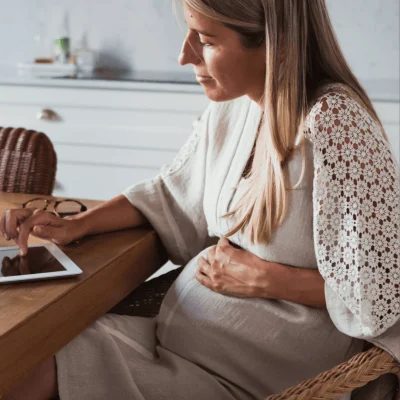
x=143, y=34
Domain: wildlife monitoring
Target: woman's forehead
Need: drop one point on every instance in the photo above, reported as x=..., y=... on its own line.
x=198, y=22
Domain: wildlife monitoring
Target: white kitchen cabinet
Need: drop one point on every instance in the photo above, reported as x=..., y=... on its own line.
x=105, y=139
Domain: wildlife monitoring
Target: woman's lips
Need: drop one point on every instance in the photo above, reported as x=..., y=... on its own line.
x=203, y=79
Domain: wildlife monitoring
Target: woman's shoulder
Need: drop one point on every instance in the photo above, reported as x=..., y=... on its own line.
x=344, y=134
x=336, y=113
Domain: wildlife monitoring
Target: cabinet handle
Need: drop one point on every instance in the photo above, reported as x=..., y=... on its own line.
x=48, y=115
x=195, y=122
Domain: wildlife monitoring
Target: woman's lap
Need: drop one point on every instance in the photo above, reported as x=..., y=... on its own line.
x=120, y=357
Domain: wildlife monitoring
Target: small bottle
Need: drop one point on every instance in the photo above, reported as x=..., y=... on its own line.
x=62, y=43
x=85, y=58
x=42, y=46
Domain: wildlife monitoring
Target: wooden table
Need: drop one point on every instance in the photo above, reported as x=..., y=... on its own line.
x=39, y=318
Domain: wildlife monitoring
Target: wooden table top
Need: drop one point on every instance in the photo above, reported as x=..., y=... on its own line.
x=39, y=318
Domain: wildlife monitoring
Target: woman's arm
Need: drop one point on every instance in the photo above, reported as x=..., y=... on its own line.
x=118, y=213
x=299, y=285
x=112, y=215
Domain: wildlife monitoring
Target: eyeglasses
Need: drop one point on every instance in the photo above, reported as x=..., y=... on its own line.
x=62, y=208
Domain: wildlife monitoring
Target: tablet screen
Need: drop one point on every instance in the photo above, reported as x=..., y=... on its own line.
x=39, y=260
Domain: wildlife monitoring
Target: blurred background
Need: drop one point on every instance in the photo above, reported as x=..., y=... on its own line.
x=143, y=35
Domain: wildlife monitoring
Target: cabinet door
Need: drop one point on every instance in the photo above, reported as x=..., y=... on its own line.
x=97, y=182
x=105, y=140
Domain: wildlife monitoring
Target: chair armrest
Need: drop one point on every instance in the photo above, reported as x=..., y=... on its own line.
x=344, y=378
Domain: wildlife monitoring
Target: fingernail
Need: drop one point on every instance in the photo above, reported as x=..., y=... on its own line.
x=22, y=252
x=6, y=236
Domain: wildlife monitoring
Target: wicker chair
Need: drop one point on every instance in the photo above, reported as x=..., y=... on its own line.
x=28, y=162
x=370, y=374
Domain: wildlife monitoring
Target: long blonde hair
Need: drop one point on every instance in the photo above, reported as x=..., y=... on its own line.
x=312, y=57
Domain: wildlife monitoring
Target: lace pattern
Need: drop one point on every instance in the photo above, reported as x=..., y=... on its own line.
x=356, y=201
x=187, y=149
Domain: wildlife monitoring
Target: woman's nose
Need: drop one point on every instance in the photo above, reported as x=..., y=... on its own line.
x=188, y=54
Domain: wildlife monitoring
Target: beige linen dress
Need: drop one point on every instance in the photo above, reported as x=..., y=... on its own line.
x=343, y=220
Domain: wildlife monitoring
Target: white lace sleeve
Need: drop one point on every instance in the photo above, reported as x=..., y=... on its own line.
x=356, y=199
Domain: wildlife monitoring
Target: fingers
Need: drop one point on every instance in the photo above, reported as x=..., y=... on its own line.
x=43, y=231
x=11, y=219
x=53, y=233
x=211, y=270
x=223, y=241
x=6, y=224
x=225, y=252
x=208, y=275
x=39, y=217
x=201, y=274
x=23, y=265
x=3, y=225
x=203, y=279
x=11, y=225
x=211, y=253
x=204, y=266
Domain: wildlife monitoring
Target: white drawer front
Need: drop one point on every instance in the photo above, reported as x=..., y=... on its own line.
x=155, y=129
x=114, y=156
x=95, y=117
x=97, y=182
x=165, y=138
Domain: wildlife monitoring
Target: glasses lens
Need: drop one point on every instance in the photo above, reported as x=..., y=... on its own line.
x=68, y=208
x=39, y=203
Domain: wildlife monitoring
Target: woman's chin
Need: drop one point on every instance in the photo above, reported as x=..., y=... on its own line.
x=216, y=95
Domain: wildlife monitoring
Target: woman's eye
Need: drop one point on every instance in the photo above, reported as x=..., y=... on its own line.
x=202, y=43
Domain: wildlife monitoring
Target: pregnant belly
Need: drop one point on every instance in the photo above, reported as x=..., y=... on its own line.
x=240, y=339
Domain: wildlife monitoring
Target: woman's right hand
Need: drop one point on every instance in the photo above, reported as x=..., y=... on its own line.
x=19, y=223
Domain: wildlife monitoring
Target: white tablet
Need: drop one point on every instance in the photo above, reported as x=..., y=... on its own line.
x=43, y=261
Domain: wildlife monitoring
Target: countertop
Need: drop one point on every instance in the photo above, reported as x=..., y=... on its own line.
x=378, y=90
x=120, y=80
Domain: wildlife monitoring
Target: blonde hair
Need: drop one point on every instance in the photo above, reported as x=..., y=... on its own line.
x=312, y=58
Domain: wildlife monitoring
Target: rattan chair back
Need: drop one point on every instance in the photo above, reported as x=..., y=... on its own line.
x=28, y=162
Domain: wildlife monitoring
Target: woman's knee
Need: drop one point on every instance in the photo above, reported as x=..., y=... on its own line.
x=41, y=384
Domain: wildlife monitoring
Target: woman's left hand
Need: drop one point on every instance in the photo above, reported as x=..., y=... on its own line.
x=234, y=272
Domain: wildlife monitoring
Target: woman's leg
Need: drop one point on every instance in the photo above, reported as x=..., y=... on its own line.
x=40, y=385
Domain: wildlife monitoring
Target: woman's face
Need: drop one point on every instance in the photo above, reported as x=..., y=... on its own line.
x=230, y=70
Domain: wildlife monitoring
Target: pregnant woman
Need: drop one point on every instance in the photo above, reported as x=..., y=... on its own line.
x=283, y=206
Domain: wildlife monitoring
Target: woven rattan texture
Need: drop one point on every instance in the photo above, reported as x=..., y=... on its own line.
x=358, y=371
x=28, y=162
x=145, y=301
